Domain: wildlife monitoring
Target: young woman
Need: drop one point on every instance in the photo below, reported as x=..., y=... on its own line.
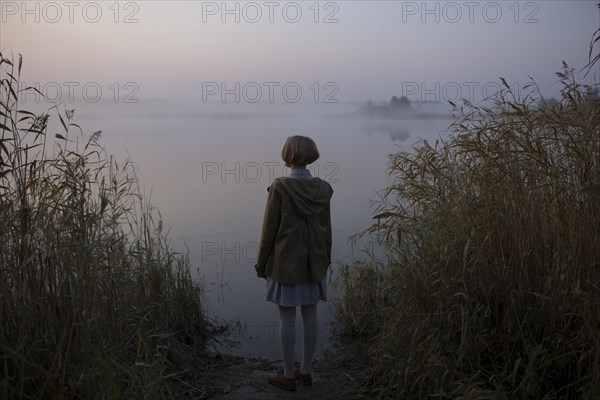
x=294, y=254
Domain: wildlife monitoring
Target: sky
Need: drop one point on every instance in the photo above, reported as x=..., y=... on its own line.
x=347, y=51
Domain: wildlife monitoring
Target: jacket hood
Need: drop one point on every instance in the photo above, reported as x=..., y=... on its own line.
x=310, y=196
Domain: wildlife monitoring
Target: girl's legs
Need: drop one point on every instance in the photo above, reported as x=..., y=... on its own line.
x=287, y=336
x=310, y=333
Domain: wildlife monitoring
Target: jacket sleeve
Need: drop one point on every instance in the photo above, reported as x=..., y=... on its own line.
x=269, y=230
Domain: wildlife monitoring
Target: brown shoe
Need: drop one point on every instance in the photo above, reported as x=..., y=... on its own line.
x=282, y=382
x=306, y=379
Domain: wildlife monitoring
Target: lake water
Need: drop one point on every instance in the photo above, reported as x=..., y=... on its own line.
x=207, y=168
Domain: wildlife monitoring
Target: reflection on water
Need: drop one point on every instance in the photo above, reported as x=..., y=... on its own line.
x=396, y=132
x=208, y=167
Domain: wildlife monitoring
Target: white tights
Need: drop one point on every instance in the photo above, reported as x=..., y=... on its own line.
x=287, y=336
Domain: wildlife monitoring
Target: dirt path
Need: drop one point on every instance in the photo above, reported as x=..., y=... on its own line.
x=336, y=376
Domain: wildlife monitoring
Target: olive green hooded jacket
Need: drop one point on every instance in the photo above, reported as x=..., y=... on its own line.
x=295, y=243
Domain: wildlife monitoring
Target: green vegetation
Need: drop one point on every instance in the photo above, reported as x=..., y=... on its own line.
x=491, y=285
x=94, y=303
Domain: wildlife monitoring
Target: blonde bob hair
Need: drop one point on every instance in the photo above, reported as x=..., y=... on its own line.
x=299, y=151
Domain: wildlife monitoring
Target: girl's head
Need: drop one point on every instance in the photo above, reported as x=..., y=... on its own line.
x=299, y=151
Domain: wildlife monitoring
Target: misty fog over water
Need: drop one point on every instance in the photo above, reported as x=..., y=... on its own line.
x=207, y=167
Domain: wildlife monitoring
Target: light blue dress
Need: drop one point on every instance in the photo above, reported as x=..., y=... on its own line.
x=303, y=293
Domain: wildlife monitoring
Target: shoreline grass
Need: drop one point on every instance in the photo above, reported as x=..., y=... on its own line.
x=95, y=303
x=491, y=288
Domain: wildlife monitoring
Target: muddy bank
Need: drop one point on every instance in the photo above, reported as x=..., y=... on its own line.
x=338, y=374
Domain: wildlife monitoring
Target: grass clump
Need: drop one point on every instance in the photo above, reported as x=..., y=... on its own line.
x=492, y=284
x=94, y=303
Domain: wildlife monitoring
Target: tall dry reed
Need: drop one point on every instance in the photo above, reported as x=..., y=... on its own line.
x=94, y=302
x=492, y=289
